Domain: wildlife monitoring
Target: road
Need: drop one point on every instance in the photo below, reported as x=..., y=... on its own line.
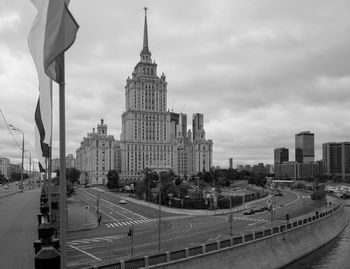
x=19, y=229
x=110, y=242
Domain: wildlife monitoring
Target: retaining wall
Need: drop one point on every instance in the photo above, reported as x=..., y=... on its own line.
x=269, y=248
x=272, y=251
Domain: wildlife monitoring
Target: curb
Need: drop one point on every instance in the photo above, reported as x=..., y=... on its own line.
x=8, y=194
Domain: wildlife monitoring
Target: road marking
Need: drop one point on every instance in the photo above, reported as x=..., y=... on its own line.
x=86, y=253
x=122, y=208
x=93, y=206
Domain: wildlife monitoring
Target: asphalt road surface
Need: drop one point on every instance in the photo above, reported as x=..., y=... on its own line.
x=110, y=242
x=19, y=229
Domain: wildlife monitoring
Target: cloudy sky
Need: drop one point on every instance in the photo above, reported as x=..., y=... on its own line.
x=259, y=71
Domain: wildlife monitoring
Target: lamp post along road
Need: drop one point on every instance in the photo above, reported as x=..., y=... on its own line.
x=160, y=199
x=18, y=130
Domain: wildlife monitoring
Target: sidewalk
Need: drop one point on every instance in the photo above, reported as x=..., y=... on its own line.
x=80, y=219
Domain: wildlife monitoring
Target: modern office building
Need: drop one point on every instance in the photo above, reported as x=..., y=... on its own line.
x=230, y=163
x=281, y=155
x=305, y=147
x=295, y=170
x=336, y=159
x=152, y=136
x=98, y=153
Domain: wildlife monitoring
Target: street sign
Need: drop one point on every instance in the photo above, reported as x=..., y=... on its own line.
x=269, y=201
x=86, y=208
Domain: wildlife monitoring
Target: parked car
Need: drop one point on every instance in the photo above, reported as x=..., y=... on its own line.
x=6, y=187
x=122, y=201
x=249, y=212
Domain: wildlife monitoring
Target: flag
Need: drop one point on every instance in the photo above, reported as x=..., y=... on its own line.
x=44, y=107
x=45, y=151
x=53, y=32
x=60, y=32
x=41, y=159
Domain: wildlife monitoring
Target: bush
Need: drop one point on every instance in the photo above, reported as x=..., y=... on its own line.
x=318, y=195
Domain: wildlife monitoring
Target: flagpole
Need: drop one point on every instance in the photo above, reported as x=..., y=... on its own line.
x=63, y=189
x=50, y=160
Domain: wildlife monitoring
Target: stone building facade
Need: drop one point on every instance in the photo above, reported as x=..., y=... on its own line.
x=98, y=153
x=152, y=136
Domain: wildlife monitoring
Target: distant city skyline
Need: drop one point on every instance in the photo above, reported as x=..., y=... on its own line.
x=259, y=72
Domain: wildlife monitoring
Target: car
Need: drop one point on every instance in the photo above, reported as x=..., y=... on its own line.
x=122, y=201
x=249, y=212
x=6, y=187
x=260, y=209
x=279, y=194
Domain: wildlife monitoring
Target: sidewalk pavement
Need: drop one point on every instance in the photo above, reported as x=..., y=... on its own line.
x=80, y=219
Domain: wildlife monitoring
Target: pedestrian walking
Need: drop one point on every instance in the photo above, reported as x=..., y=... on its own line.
x=99, y=219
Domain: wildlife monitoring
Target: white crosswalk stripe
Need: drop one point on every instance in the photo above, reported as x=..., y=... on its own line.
x=143, y=221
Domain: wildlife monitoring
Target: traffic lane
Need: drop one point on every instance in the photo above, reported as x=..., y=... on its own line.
x=200, y=232
x=90, y=251
x=143, y=210
x=181, y=234
x=109, y=210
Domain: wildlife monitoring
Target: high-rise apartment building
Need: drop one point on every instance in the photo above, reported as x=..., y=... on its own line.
x=336, y=159
x=305, y=147
x=98, y=153
x=152, y=136
x=71, y=162
x=281, y=155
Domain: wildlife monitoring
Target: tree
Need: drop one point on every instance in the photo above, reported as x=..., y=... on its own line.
x=2, y=178
x=113, y=179
x=73, y=175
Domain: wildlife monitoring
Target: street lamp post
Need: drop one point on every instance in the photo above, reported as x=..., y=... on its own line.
x=230, y=216
x=160, y=199
x=18, y=130
x=30, y=167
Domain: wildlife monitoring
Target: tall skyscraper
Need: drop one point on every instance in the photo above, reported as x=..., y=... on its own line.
x=336, y=159
x=281, y=155
x=152, y=136
x=305, y=147
x=230, y=160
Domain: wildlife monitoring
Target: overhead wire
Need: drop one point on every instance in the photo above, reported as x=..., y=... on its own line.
x=8, y=127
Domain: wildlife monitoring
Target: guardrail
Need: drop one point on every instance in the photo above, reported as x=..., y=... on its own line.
x=247, y=238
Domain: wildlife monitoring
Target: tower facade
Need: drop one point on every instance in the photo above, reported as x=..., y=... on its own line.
x=281, y=155
x=152, y=136
x=305, y=147
x=336, y=159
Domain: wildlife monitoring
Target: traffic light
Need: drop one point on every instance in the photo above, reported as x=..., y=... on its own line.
x=130, y=231
x=287, y=217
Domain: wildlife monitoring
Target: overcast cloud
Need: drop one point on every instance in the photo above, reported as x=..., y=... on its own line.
x=259, y=71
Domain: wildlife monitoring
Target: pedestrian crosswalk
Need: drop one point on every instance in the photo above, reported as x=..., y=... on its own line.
x=143, y=221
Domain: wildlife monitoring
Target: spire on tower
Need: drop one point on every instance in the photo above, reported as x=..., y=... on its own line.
x=145, y=32
x=145, y=53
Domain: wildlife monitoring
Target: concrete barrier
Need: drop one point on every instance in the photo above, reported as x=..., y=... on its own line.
x=269, y=248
